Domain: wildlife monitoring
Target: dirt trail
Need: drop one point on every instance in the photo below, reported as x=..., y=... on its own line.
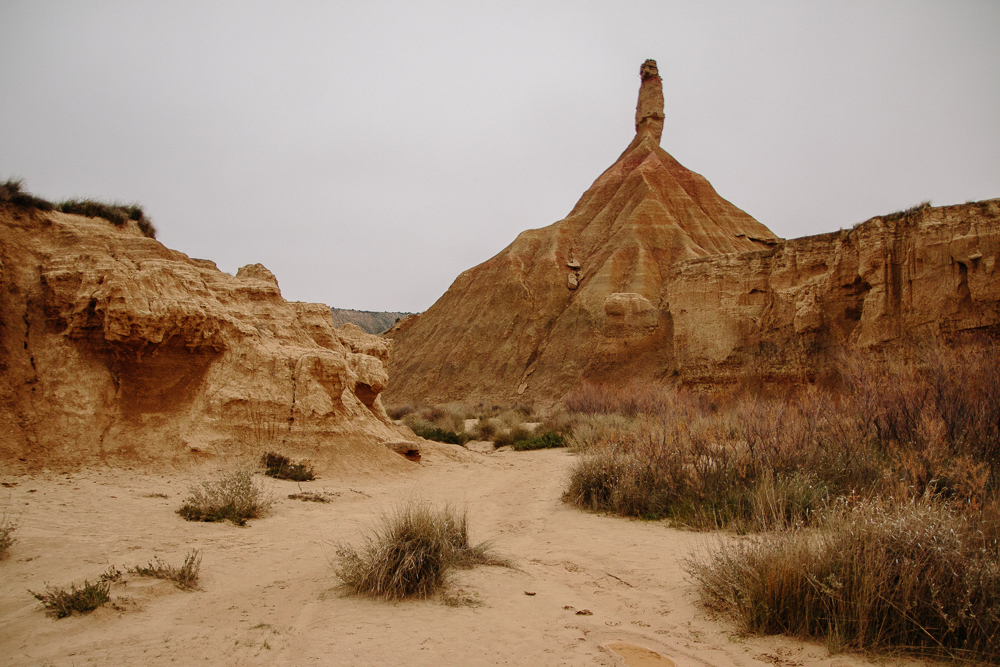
x=268, y=595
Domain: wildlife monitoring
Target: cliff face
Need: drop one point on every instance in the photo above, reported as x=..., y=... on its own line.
x=785, y=313
x=655, y=277
x=113, y=345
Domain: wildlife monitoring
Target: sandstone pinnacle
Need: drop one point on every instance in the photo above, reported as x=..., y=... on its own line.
x=649, y=110
x=655, y=278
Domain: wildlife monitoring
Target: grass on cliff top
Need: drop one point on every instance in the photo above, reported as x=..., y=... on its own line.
x=410, y=553
x=12, y=192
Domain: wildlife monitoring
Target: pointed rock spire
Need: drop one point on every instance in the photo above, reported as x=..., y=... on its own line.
x=649, y=110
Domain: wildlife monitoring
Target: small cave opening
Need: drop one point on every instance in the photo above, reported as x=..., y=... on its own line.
x=365, y=394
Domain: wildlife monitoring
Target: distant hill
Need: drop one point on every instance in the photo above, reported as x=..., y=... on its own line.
x=370, y=321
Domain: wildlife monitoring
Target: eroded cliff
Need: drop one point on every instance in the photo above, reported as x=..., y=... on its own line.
x=655, y=277
x=114, y=346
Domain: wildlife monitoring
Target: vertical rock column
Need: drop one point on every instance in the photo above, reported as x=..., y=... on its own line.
x=649, y=110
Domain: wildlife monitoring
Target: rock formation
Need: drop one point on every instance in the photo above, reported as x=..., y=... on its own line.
x=655, y=277
x=114, y=346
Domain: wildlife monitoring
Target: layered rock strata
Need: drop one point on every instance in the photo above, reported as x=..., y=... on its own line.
x=114, y=346
x=655, y=277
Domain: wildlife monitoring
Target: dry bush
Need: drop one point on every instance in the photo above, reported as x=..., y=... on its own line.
x=901, y=429
x=878, y=575
x=234, y=496
x=440, y=423
x=8, y=529
x=410, y=552
x=487, y=429
x=184, y=577
x=593, y=398
x=61, y=602
x=589, y=430
x=280, y=466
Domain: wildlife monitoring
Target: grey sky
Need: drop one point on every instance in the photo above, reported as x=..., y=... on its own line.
x=369, y=152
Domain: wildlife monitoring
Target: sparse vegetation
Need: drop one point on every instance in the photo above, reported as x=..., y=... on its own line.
x=235, y=497
x=8, y=530
x=184, y=577
x=438, y=423
x=314, y=496
x=875, y=575
x=60, y=602
x=281, y=467
x=546, y=440
x=879, y=502
x=903, y=430
x=117, y=213
x=410, y=552
x=12, y=192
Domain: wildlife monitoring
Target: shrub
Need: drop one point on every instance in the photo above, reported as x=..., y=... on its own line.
x=184, y=577
x=508, y=438
x=233, y=497
x=486, y=429
x=410, y=552
x=281, y=467
x=397, y=412
x=8, y=529
x=878, y=575
x=62, y=603
x=594, y=398
x=546, y=440
x=429, y=431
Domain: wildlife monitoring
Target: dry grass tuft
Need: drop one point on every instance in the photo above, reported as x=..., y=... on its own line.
x=877, y=575
x=410, y=552
x=8, y=529
x=184, y=577
x=60, y=602
x=281, y=467
x=235, y=497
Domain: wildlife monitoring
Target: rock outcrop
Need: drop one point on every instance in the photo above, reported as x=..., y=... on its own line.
x=655, y=277
x=114, y=346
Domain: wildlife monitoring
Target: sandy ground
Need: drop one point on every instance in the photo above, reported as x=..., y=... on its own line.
x=268, y=595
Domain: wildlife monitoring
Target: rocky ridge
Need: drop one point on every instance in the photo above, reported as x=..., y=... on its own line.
x=655, y=277
x=114, y=346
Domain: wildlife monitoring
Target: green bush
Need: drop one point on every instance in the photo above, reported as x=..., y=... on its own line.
x=545, y=440
x=409, y=554
x=281, y=467
x=233, y=497
x=429, y=431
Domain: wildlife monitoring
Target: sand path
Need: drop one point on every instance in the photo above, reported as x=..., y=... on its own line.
x=268, y=596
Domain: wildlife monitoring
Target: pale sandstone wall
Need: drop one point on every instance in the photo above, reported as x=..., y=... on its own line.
x=114, y=346
x=885, y=284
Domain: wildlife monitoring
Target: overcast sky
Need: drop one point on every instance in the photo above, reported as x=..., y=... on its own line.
x=369, y=152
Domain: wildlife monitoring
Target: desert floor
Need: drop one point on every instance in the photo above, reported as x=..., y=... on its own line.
x=268, y=594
